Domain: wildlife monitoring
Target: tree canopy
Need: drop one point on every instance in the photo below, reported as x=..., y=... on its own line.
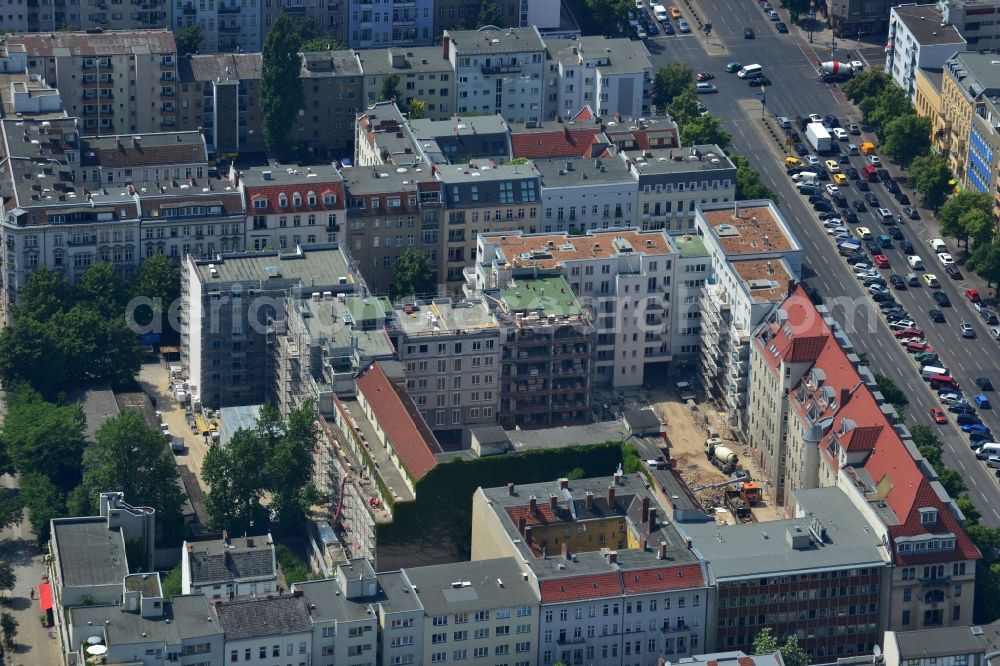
x=43, y=437
x=413, y=275
x=705, y=129
x=684, y=107
x=390, y=88
x=189, y=40
x=671, y=81
x=985, y=261
x=892, y=393
x=931, y=176
x=869, y=83
x=159, y=280
x=907, y=137
x=954, y=214
x=490, y=14
x=748, y=183
x=281, y=94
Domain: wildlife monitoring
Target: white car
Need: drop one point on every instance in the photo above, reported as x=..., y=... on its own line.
x=945, y=259
x=815, y=118
x=915, y=262
x=902, y=324
x=840, y=134
x=832, y=188
x=836, y=231
x=638, y=4
x=812, y=160
x=937, y=245
x=874, y=160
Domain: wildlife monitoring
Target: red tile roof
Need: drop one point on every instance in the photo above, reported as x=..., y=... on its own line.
x=580, y=587
x=399, y=419
x=543, y=516
x=271, y=192
x=808, y=348
x=586, y=113
x=556, y=143
x=862, y=438
x=663, y=578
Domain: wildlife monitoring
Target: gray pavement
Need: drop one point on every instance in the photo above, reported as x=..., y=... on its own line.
x=789, y=61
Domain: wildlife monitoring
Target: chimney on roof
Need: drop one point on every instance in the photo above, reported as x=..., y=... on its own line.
x=564, y=483
x=135, y=142
x=445, y=43
x=118, y=141
x=225, y=537
x=618, y=475
x=652, y=518
x=590, y=501
x=510, y=489
x=528, y=536
x=688, y=543
x=845, y=395
x=611, y=497
x=533, y=505
x=250, y=542
x=225, y=556
x=553, y=501
x=662, y=555
x=522, y=523
x=645, y=508
x=644, y=543
x=565, y=551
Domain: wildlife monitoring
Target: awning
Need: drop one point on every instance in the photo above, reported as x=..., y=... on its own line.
x=45, y=596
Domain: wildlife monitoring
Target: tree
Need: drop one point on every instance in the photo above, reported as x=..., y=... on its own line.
x=795, y=8
x=289, y=467
x=235, y=475
x=314, y=37
x=705, y=130
x=892, y=393
x=413, y=275
x=931, y=175
x=869, y=83
x=129, y=456
x=671, y=81
x=45, y=438
x=968, y=509
x=684, y=107
x=281, y=94
x=158, y=279
x=31, y=354
x=390, y=88
x=43, y=501
x=985, y=261
x=907, y=137
x=188, y=40
x=45, y=292
x=9, y=627
x=951, y=480
x=490, y=14
x=952, y=212
x=607, y=16
x=923, y=436
x=322, y=44
x=418, y=109
x=748, y=185
x=7, y=577
x=172, y=583
x=891, y=103
x=765, y=642
x=102, y=289
x=792, y=654
x=979, y=226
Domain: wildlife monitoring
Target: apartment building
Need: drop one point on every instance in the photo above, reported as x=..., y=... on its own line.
x=615, y=580
x=456, y=140
x=24, y=95
x=970, y=83
x=674, y=182
x=577, y=136
x=289, y=206
x=451, y=353
x=608, y=75
x=854, y=17
x=968, y=644
x=385, y=219
x=754, y=262
x=918, y=38
x=119, y=160
x=424, y=73
x=821, y=576
x=498, y=71
x=195, y=216
x=408, y=23
x=228, y=303
x=976, y=20
x=837, y=434
x=581, y=194
x=458, y=14
x=624, y=277
x=692, y=274
x=220, y=95
x=332, y=96
x=230, y=567
x=92, y=15
x=115, y=82
x=227, y=26
x=481, y=198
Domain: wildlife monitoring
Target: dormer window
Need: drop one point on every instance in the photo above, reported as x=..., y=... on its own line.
x=283, y=200
x=329, y=199
x=311, y=198
x=928, y=515
x=296, y=199
x=260, y=203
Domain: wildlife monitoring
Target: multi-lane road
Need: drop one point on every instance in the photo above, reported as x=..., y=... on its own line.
x=789, y=61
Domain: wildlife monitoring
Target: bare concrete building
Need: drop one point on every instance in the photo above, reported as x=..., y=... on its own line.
x=331, y=86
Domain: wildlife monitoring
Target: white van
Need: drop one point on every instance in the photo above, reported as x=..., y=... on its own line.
x=988, y=449
x=929, y=371
x=803, y=176
x=660, y=12
x=749, y=70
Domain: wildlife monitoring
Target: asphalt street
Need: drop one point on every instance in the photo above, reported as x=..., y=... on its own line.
x=789, y=61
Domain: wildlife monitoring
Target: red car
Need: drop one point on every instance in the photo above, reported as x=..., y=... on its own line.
x=938, y=415
x=911, y=332
x=881, y=260
x=972, y=295
x=704, y=76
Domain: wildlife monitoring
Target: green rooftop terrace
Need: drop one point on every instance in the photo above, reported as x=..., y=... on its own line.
x=689, y=245
x=549, y=296
x=365, y=309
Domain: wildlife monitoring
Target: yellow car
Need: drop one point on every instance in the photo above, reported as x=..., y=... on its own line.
x=832, y=166
x=675, y=13
x=930, y=280
x=840, y=179
x=793, y=162
x=864, y=233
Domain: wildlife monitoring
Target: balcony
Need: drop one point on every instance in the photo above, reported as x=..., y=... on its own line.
x=500, y=69
x=229, y=28
x=229, y=9
x=566, y=640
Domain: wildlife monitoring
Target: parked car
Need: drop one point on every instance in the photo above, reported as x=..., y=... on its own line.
x=953, y=272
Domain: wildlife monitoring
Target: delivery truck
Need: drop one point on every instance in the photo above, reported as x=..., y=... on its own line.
x=818, y=138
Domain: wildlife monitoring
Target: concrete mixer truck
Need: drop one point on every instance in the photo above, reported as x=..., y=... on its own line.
x=721, y=456
x=834, y=70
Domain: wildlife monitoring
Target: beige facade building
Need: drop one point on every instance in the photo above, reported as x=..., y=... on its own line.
x=424, y=72
x=114, y=82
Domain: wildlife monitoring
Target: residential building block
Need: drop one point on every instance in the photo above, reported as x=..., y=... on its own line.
x=424, y=73
x=970, y=83
x=918, y=38
x=608, y=75
x=230, y=567
x=220, y=94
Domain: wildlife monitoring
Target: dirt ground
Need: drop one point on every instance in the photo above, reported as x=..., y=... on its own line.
x=688, y=430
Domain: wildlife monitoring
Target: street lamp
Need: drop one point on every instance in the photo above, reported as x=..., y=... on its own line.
x=763, y=101
x=812, y=20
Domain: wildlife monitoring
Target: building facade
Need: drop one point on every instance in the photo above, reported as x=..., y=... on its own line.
x=220, y=94
x=608, y=75
x=424, y=72
x=918, y=38
x=970, y=83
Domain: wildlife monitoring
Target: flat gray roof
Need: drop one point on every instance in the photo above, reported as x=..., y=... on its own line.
x=486, y=42
x=760, y=549
x=185, y=617
x=443, y=318
x=693, y=159
x=948, y=641
x=264, y=616
x=924, y=21
x=583, y=172
x=615, y=56
x=465, y=586
x=338, y=324
x=319, y=265
x=398, y=593
x=465, y=173
x=576, y=435
x=328, y=605
x=89, y=553
x=982, y=72
x=416, y=59
x=427, y=128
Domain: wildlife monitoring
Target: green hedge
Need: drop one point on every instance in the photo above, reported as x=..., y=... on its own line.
x=442, y=513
